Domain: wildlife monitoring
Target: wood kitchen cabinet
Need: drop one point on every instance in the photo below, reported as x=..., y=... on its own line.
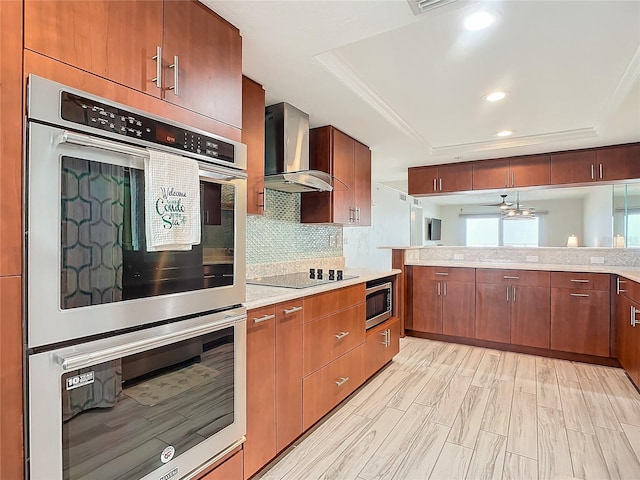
x=443, y=301
x=606, y=164
x=253, y=104
x=513, y=306
x=580, y=313
x=334, y=152
x=208, y=49
x=455, y=177
x=382, y=344
x=230, y=469
x=522, y=171
x=627, y=308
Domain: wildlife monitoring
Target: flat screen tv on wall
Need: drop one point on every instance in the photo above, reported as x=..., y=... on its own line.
x=435, y=229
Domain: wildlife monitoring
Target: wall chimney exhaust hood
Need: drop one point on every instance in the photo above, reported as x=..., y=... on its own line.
x=287, y=152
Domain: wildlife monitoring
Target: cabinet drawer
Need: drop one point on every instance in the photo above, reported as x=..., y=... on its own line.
x=580, y=281
x=327, y=387
x=452, y=274
x=258, y=317
x=532, y=278
x=324, y=304
x=329, y=337
x=629, y=288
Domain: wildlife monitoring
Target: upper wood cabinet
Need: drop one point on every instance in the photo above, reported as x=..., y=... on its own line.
x=606, y=164
x=334, y=152
x=200, y=66
x=253, y=137
x=455, y=177
x=525, y=171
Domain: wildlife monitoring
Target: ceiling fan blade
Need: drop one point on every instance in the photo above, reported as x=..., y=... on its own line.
x=503, y=203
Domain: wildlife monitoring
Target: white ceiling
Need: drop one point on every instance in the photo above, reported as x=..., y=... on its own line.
x=411, y=86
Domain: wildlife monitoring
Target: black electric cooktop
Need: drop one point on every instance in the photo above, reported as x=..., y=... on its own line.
x=298, y=280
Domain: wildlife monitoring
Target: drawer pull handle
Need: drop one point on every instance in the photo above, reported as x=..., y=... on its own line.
x=509, y=277
x=442, y=273
x=579, y=294
x=579, y=281
x=289, y=311
x=263, y=319
x=618, y=282
x=341, y=335
x=634, y=316
x=342, y=381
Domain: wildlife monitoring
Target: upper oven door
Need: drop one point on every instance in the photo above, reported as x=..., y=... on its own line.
x=88, y=271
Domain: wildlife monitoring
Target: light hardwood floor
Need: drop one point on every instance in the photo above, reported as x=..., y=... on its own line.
x=447, y=411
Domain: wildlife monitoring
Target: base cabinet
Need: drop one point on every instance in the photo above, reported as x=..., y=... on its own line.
x=382, y=344
x=627, y=307
x=230, y=469
x=580, y=313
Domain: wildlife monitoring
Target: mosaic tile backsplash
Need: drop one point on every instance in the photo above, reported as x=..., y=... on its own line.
x=278, y=235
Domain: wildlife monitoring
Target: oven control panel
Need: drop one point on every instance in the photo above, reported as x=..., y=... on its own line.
x=84, y=111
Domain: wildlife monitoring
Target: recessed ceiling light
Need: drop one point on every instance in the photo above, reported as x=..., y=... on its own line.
x=504, y=133
x=478, y=21
x=495, y=96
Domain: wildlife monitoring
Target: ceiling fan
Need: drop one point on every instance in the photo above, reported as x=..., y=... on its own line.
x=503, y=204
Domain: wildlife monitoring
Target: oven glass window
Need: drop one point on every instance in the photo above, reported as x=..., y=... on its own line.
x=119, y=417
x=104, y=257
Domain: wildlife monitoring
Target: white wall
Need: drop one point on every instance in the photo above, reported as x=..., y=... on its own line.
x=390, y=221
x=598, y=218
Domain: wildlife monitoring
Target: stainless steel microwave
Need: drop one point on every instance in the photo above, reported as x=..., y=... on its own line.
x=379, y=303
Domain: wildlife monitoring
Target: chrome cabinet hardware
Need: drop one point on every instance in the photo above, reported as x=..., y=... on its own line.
x=507, y=294
x=384, y=334
x=289, y=311
x=618, y=289
x=634, y=316
x=575, y=280
x=509, y=277
x=579, y=294
x=342, y=381
x=435, y=186
x=601, y=175
x=441, y=184
x=514, y=294
x=444, y=287
x=593, y=176
x=438, y=288
x=176, y=72
x=388, y=337
x=158, y=58
x=513, y=179
x=263, y=319
x=442, y=273
x=341, y=335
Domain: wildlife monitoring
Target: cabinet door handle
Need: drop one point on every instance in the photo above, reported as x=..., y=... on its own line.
x=593, y=175
x=440, y=184
x=384, y=334
x=618, y=289
x=513, y=179
x=342, y=381
x=438, y=288
x=507, y=294
x=174, y=65
x=158, y=58
x=514, y=294
x=509, y=277
x=444, y=288
x=388, y=337
x=634, y=316
x=442, y=273
x=435, y=185
x=578, y=280
x=601, y=175
x=341, y=335
x=263, y=319
x=579, y=294
x=289, y=311
x=358, y=214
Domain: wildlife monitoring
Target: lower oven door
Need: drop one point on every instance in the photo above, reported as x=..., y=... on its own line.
x=157, y=403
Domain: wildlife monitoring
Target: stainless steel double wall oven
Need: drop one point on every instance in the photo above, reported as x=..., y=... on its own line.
x=136, y=359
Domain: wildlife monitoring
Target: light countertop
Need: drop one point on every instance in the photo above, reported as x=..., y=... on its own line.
x=260, y=295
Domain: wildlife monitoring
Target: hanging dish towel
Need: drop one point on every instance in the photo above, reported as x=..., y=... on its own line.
x=172, y=202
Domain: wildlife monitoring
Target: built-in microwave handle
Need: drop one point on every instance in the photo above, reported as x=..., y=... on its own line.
x=377, y=288
x=74, y=362
x=217, y=172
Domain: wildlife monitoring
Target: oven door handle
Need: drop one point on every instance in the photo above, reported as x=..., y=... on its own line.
x=74, y=362
x=217, y=172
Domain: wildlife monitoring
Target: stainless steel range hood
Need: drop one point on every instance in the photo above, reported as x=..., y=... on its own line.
x=287, y=152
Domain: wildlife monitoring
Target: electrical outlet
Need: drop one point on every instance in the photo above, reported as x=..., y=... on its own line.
x=332, y=240
x=458, y=256
x=597, y=260
x=532, y=258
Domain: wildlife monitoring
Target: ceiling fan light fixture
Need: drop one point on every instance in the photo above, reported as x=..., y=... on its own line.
x=479, y=21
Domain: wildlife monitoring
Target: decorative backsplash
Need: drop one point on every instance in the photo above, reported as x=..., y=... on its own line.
x=278, y=235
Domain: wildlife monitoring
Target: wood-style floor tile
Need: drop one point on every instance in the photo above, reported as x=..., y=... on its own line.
x=488, y=457
x=469, y=365
x=486, y=369
x=574, y=407
x=452, y=463
x=466, y=426
x=446, y=408
x=554, y=458
x=547, y=392
x=565, y=370
x=586, y=456
x=507, y=366
x=436, y=385
x=624, y=399
x=600, y=410
x=621, y=460
x=526, y=374
x=523, y=427
x=373, y=404
x=423, y=454
x=409, y=389
x=517, y=467
x=498, y=411
x=633, y=435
